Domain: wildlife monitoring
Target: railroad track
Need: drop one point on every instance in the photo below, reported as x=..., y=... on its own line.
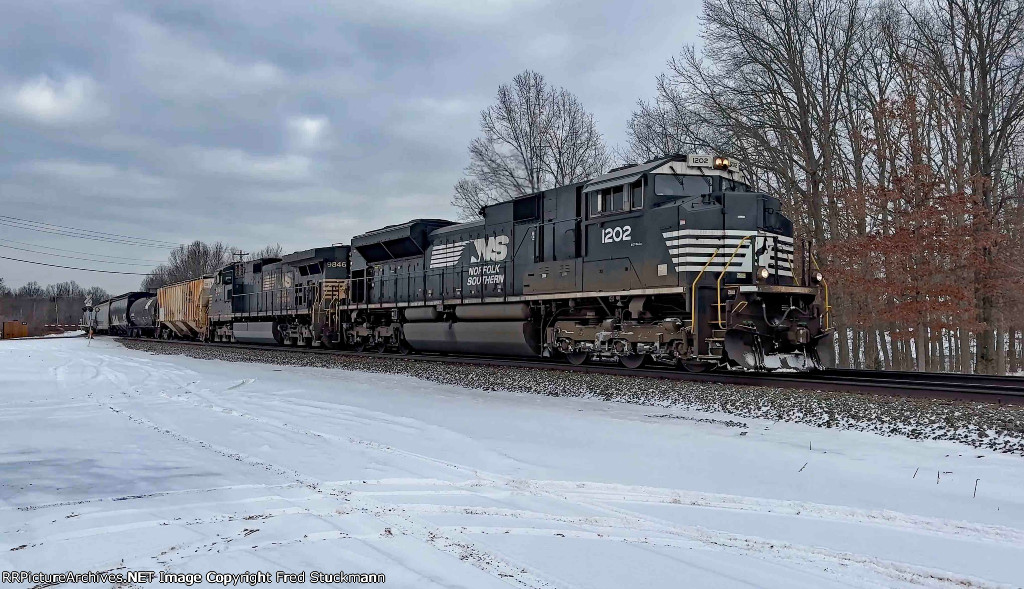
x=962, y=387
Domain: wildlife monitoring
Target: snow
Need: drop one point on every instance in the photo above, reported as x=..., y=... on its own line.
x=78, y=333
x=112, y=459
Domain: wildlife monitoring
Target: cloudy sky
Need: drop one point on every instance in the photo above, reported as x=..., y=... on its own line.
x=256, y=122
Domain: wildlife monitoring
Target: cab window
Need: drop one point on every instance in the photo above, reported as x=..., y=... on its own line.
x=672, y=185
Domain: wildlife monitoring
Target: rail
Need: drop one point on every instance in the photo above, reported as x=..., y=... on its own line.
x=963, y=387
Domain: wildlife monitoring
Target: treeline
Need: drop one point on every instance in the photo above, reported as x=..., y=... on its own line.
x=37, y=305
x=187, y=262
x=895, y=133
x=63, y=302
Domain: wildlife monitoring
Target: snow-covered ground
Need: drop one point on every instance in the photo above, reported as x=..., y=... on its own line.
x=113, y=459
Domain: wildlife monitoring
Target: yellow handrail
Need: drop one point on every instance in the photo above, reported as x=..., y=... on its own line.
x=693, y=294
x=828, y=307
x=722, y=275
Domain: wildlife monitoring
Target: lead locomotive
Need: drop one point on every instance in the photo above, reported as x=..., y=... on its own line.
x=676, y=260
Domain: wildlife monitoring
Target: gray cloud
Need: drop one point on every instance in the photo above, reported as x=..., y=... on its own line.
x=261, y=122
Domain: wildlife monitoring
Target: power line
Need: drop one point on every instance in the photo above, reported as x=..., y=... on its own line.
x=43, y=228
x=160, y=241
x=64, y=233
x=78, y=252
x=22, y=249
x=73, y=268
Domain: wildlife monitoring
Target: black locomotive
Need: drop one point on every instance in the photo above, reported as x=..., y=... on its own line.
x=676, y=260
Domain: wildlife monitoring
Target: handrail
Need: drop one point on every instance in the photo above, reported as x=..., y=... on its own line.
x=828, y=307
x=693, y=294
x=722, y=275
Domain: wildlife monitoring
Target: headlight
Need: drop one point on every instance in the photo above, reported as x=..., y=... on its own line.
x=722, y=163
x=763, y=274
x=818, y=277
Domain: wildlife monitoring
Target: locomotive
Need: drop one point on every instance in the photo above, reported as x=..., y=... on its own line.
x=676, y=260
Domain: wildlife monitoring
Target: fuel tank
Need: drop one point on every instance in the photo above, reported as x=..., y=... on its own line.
x=261, y=332
x=499, y=338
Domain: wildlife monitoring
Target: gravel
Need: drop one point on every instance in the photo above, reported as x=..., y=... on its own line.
x=981, y=425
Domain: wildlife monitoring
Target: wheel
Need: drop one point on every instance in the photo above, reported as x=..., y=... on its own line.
x=577, y=358
x=359, y=345
x=633, y=361
x=404, y=348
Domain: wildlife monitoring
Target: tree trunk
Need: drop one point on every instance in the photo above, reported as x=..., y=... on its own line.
x=1011, y=352
x=1000, y=351
x=873, y=359
x=844, y=346
x=858, y=348
x=921, y=343
x=883, y=347
x=965, y=352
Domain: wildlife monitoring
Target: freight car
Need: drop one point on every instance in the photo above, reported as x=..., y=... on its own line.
x=677, y=260
x=183, y=309
x=101, y=316
x=132, y=314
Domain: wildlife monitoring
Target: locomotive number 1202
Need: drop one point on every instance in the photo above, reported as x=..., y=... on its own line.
x=610, y=234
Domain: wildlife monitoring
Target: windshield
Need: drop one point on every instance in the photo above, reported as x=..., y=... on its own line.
x=672, y=185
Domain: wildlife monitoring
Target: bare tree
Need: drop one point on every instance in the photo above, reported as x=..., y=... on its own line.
x=574, y=149
x=470, y=197
x=535, y=136
x=187, y=262
x=4, y=290
x=65, y=290
x=270, y=251
x=30, y=290
x=98, y=294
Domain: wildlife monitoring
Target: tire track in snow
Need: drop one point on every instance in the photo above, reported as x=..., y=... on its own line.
x=144, y=496
x=615, y=493
x=748, y=544
x=404, y=522
x=606, y=492
x=495, y=564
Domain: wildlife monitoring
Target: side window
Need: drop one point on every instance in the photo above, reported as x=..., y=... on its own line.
x=607, y=201
x=636, y=200
x=595, y=203
x=615, y=199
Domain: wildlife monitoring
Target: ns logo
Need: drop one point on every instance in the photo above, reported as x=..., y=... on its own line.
x=490, y=249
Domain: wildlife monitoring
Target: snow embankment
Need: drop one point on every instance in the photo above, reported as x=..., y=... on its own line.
x=113, y=459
